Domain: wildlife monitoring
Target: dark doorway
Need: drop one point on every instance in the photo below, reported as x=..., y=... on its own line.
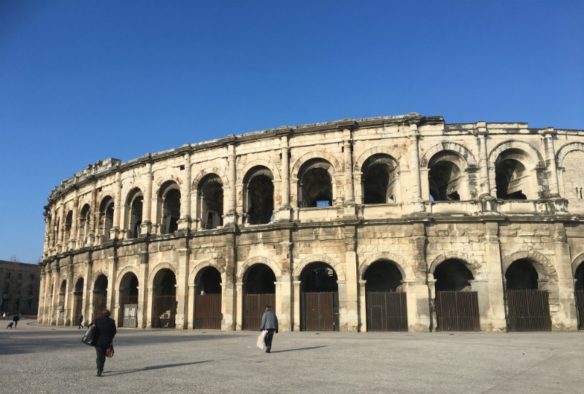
x=444, y=178
x=579, y=289
x=457, y=308
x=99, y=295
x=208, y=299
x=379, y=176
x=134, y=209
x=259, y=195
x=259, y=290
x=315, y=187
x=385, y=303
x=164, y=299
x=169, y=202
x=319, y=300
x=528, y=307
x=211, y=201
x=129, y=301
x=78, y=300
x=511, y=176
x=106, y=217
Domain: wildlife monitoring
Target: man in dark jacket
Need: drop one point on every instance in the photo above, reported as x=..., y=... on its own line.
x=270, y=324
x=105, y=331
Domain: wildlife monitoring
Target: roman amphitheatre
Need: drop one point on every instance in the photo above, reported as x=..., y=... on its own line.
x=396, y=223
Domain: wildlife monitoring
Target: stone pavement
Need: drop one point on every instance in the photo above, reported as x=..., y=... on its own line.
x=48, y=359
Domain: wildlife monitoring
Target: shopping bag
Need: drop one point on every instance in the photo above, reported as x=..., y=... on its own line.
x=89, y=337
x=109, y=352
x=261, y=344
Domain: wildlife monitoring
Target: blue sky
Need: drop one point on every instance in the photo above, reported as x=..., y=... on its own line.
x=85, y=80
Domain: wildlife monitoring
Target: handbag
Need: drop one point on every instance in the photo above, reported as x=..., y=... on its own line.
x=88, y=337
x=261, y=343
x=109, y=352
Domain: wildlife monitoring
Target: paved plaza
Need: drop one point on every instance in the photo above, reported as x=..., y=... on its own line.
x=48, y=359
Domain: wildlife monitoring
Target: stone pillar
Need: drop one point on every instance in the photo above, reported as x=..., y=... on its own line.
x=411, y=288
x=549, y=135
x=484, y=184
x=74, y=240
x=185, y=195
x=284, y=211
x=296, y=308
x=418, y=284
x=565, y=318
x=228, y=307
x=349, y=318
x=230, y=214
x=494, y=280
x=190, y=323
x=87, y=291
x=284, y=301
x=117, y=225
x=195, y=220
x=148, y=305
x=362, y=306
x=146, y=226
x=143, y=290
x=112, y=301
x=481, y=286
x=414, y=136
x=181, y=287
x=239, y=305
x=432, y=295
x=54, y=297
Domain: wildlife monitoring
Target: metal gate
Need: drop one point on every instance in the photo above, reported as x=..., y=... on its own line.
x=529, y=310
x=457, y=311
x=130, y=317
x=580, y=308
x=164, y=308
x=320, y=311
x=253, y=308
x=386, y=311
x=208, y=311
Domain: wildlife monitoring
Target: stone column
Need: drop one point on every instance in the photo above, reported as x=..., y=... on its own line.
x=146, y=226
x=432, y=295
x=417, y=285
x=143, y=318
x=117, y=225
x=55, y=297
x=566, y=317
x=74, y=240
x=549, y=135
x=296, y=303
x=185, y=206
x=284, y=211
x=481, y=285
x=239, y=305
x=494, y=277
x=362, y=306
x=350, y=306
x=411, y=288
x=190, y=323
x=414, y=136
x=87, y=291
x=148, y=303
x=228, y=307
x=112, y=297
x=484, y=184
x=182, y=286
x=41, y=306
x=349, y=201
x=230, y=214
x=284, y=301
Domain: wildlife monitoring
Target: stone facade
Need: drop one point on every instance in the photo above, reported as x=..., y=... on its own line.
x=19, y=287
x=410, y=191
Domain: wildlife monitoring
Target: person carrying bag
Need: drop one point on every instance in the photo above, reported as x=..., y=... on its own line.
x=105, y=331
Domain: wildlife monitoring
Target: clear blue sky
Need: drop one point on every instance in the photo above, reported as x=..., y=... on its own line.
x=86, y=80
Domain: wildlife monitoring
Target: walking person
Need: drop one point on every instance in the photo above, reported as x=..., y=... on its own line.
x=15, y=319
x=270, y=324
x=80, y=322
x=105, y=331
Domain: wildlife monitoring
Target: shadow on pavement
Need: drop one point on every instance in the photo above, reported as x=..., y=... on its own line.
x=298, y=349
x=152, y=368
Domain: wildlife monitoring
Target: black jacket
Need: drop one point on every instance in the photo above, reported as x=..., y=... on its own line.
x=105, y=331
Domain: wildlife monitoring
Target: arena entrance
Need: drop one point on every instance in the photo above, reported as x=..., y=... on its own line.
x=99, y=295
x=164, y=299
x=78, y=301
x=386, y=305
x=319, y=299
x=579, y=292
x=528, y=307
x=457, y=308
x=129, y=301
x=208, y=299
x=259, y=290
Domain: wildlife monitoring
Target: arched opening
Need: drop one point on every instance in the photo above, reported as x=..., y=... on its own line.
x=445, y=179
x=106, y=217
x=78, y=300
x=211, y=201
x=315, y=187
x=208, y=299
x=84, y=224
x=128, y=301
x=259, y=290
x=572, y=180
x=579, y=289
x=528, y=307
x=169, y=207
x=457, y=307
x=68, y=226
x=99, y=295
x=56, y=232
x=319, y=300
x=379, y=179
x=259, y=195
x=62, y=295
x=164, y=299
x=386, y=303
x=134, y=212
x=513, y=180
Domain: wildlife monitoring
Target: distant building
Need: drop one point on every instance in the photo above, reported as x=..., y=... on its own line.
x=19, y=287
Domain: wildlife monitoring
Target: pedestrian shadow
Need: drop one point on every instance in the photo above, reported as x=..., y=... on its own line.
x=152, y=368
x=297, y=349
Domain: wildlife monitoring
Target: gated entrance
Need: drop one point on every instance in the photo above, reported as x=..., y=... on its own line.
x=164, y=299
x=99, y=295
x=319, y=301
x=579, y=293
x=259, y=290
x=456, y=306
x=386, y=306
x=208, y=299
x=528, y=307
x=128, y=296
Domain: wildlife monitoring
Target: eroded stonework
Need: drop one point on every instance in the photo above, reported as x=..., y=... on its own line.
x=358, y=209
